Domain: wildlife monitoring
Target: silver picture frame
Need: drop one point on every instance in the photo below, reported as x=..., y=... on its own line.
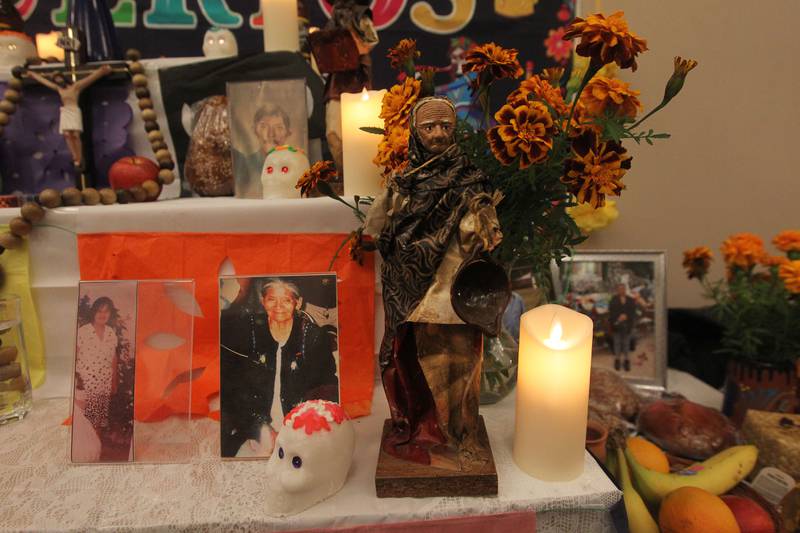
x=643, y=275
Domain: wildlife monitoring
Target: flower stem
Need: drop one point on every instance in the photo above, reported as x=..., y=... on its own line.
x=591, y=70
x=655, y=110
x=336, y=255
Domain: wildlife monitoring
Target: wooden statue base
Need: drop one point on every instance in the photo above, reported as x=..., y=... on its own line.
x=396, y=478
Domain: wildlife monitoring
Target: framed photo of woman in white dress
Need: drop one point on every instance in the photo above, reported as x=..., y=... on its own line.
x=102, y=409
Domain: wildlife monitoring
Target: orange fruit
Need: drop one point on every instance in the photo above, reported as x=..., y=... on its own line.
x=648, y=454
x=693, y=510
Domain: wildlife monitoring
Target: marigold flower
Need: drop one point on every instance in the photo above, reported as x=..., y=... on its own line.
x=675, y=82
x=789, y=272
x=590, y=219
x=696, y=261
x=399, y=101
x=537, y=88
x=552, y=75
x=393, y=150
x=492, y=62
x=787, y=241
x=606, y=40
x=319, y=171
x=595, y=169
x=524, y=130
x=606, y=94
x=773, y=260
x=743, y=250
x=403, y=54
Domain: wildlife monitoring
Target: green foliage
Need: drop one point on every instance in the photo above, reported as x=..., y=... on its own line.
x=758, y=315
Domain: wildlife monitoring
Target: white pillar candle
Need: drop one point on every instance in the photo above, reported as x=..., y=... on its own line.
x=555, y=359
x=280, y=25
x=359, y=148
x=46, y=45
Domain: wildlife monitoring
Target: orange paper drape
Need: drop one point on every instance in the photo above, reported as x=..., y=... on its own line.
x=198, y=256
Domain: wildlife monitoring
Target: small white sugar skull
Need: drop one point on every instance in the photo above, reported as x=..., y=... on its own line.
x=311, y=458
x=282, y=168
x=15, y=48
x=220, y=42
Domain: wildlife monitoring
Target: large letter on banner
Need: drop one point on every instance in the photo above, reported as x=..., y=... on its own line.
x=169, y=14
x=423, y=15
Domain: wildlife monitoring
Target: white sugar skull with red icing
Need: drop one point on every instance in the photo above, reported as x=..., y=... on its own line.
x=282, y=168
x=311, y=458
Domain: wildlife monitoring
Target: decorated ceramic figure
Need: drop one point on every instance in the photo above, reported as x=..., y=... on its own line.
x=15, y=48
x=220, y=42
x=71, y=119
x=282, y=168
x=433, y=220
x=311, y=457
x=342, y=50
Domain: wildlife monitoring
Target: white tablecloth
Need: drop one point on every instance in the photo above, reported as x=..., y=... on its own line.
x=40, y=491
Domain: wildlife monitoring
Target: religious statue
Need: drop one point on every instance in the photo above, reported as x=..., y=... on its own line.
x=435, y=217
x=341, y=50
x=71, y=118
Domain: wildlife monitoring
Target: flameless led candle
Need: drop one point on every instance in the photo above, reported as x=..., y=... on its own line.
x=46, y=45
x=280, y=25
x=555, y=359
x=361, y=175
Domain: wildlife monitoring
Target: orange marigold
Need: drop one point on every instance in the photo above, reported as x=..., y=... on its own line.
x=553, y=75
x=606, y=40
x=319, y=171
x=773, y=260
x=608, y=94
x=696, y=261
x=789, y=272
x=523, y=130
x=743, y=250
x=403, y=52
x=595, y=169
x=393, y=150
x=399, y=101
x=537, y=88
x=787, y=241
x=493, y=62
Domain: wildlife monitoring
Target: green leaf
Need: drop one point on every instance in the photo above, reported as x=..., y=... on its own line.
x=370, y=129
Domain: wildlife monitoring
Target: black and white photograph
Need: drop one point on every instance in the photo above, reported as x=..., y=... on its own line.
x=264, y=115
x=102, y=412
x=278, y=348
x=624, y=295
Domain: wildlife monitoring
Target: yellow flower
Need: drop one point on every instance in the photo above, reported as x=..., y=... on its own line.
x=493, y=62
x=696, y=261
x=524, y=130
x=590, y=219
x=399, y=101
x=403, y=54
x=319, y=171
x=743, y=250
x=595, y=169
x=605, y=94
x=606, y=40
x=537, y=88
x=675, y=82
x=789, y=272
x=787, y=241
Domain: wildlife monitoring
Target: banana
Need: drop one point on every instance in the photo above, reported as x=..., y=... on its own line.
x=639, y=518
x=717, y=475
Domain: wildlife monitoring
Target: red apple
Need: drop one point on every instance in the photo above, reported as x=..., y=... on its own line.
x=132, y=171
x=751, y=517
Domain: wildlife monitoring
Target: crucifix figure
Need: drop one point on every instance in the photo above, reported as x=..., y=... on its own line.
x=71, y=118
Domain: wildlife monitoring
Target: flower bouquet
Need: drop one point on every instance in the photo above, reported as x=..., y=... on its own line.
x=758, y=306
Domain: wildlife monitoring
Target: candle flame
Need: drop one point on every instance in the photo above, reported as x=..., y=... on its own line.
x=556, y=331
x=364, y=95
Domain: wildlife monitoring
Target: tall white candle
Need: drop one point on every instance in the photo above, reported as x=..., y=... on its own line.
x=359, y=148
x=555, y=358
x=280, y=25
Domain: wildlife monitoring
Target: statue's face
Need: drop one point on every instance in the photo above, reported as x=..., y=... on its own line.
x=435, y=126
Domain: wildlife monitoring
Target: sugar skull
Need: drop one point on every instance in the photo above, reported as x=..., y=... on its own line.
x=282, y=168
x=15, y=48
x=219, y=42
x=311, y=458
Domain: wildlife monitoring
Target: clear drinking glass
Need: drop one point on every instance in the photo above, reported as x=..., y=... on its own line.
x=15, y=382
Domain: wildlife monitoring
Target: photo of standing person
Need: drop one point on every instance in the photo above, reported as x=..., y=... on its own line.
x=622, y=320
x=278, y=348
x=104, y=373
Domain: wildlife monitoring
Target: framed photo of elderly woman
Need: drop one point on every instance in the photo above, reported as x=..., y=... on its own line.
x=278, y=348
x=624, y=294
x=102, y=410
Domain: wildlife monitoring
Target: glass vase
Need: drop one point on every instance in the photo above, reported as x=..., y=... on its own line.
x=15, y=383
x=499, y=374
